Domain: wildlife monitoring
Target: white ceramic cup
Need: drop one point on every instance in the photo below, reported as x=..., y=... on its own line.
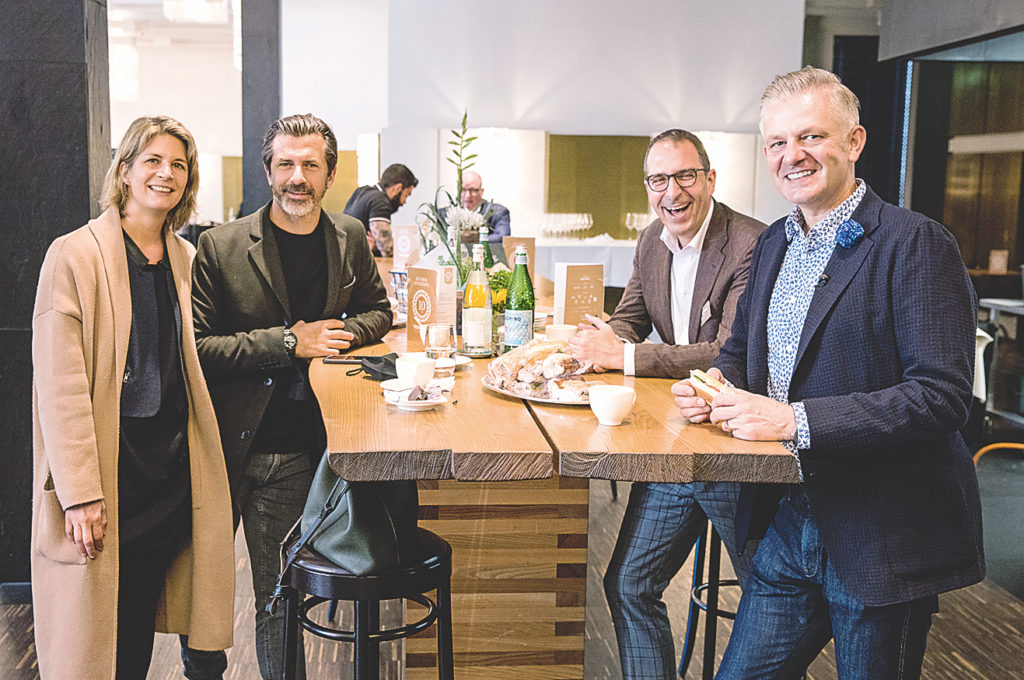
x=414, y=371
x=611, y=403
x=560, y=331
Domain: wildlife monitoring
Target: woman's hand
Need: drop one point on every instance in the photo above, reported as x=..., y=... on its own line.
x=85, y=526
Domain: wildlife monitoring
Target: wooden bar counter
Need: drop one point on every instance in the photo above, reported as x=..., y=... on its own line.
x=518, y=530
x=516, y=519
x=655, y=443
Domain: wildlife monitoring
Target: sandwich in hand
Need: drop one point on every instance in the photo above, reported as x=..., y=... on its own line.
x=706, y=387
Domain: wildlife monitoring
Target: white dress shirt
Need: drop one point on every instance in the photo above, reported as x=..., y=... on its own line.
x=684, y=276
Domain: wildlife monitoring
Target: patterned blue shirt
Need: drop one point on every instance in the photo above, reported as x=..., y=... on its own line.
x=806, y=258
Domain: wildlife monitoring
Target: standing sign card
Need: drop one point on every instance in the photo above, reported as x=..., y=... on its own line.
x=407, y=244
x=422, y=292
x=431, y=298
x=579, y=290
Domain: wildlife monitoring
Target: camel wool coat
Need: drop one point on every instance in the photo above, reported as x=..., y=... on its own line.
x=80, y=331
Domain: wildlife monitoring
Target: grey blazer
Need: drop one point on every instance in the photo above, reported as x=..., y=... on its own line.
x=721, y=277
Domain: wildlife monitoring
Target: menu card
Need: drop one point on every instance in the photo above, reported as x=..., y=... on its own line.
x=579, y=290
x=407, y=244
x=431, y=298
x=509, y=243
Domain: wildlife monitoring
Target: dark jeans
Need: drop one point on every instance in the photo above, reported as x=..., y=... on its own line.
x=793, y=588
x=272, y=495
x=659, y=528
x=142, y=571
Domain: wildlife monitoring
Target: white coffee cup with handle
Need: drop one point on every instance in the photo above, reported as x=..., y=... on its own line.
x=414, y=370
x=611, y=403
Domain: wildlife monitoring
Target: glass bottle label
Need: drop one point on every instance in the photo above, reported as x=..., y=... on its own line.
x=518, y=327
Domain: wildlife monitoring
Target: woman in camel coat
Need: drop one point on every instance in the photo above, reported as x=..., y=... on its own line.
x=131, y=518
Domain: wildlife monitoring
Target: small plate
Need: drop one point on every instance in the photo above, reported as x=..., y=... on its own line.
x=405, y=405
x=394, y=385
x=462, y=361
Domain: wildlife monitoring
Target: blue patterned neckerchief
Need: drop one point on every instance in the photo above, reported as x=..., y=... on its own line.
x=805, y=260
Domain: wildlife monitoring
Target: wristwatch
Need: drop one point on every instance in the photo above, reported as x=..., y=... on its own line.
x=290, y=342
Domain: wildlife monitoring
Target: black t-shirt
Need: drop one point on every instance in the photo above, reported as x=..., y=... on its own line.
x=153, y=472
x=370, y=203
x=291, y=422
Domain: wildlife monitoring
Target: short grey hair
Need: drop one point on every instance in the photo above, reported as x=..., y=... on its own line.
x=843, y=102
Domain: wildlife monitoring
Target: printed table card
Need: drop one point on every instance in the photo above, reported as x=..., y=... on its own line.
x=579, y=290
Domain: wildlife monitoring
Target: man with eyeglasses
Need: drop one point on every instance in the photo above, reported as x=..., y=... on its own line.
x=689, y=270
x=497, y=215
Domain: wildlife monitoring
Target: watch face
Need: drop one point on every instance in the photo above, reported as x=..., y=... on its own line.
x=290, y=340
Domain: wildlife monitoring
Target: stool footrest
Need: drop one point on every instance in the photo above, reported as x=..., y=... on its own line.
x=695, y=597
x=376, y=636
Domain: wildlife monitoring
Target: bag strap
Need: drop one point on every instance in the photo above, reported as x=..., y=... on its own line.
x=307, y=535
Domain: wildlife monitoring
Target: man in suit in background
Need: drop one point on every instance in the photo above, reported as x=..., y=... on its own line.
x=853, y=345
x=689, y=270
x=498, y=219
x=272, y=291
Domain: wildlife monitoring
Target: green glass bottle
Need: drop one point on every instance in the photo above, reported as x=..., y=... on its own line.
x=488, y=255
x=520, y=304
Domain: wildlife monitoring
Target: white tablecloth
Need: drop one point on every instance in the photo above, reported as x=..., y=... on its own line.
x=617, y=258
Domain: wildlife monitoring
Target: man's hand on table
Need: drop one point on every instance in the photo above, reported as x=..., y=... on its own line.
x=597, y=343
x=321, y=338
x=747, y=416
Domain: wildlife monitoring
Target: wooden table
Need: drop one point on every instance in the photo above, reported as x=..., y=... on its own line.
x=488, y=484
x=520, y=544
x=655, y=443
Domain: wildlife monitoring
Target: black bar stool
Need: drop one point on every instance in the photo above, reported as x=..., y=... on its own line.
x=697, y=605
x=313, y=575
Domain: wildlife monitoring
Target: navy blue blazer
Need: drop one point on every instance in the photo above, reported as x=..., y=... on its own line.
x=885, y=370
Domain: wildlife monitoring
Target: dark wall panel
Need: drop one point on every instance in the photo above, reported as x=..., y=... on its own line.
x=261, y=94
x=55, y=117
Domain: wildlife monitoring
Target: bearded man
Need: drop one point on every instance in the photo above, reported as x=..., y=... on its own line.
x=271, y=291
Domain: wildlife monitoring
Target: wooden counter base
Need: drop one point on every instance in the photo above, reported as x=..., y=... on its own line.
x=519, y=578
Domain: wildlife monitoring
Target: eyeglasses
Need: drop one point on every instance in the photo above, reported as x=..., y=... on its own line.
x=683, y=178
x=472, y=191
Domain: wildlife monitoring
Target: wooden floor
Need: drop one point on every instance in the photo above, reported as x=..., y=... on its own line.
x=978, y=635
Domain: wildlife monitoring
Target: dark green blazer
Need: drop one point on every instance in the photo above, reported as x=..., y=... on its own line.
x=240, y=310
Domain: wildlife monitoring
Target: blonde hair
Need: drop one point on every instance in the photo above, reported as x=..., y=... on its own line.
x=140, y=133
x=843, y=102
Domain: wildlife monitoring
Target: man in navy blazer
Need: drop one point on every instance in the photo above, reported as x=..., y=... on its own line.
x=854, y=345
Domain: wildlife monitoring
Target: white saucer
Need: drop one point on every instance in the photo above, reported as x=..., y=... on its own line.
x=462, y=360
x=394, y=385
x=405, y=405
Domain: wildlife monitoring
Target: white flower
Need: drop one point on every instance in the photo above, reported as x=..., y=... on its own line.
x=462, y=219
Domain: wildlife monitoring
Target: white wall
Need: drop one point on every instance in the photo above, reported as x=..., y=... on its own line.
x=193, y=83
x=334, y=64
x=588, y=66
x=198, y=85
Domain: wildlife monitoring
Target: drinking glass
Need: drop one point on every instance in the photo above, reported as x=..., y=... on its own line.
x=440, y=343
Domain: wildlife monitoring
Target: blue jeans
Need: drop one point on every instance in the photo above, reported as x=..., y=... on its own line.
x=793, y=587
x=271, y=495
x=659, y=528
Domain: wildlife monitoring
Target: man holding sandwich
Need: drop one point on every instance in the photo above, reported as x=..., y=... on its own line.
x=854, y=346
x=689, y=270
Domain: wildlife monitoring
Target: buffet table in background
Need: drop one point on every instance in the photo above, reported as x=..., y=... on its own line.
x=616, y=256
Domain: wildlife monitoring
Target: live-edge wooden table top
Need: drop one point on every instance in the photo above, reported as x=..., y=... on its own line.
x=655, y=443
x=480, y=435
x=476, y=436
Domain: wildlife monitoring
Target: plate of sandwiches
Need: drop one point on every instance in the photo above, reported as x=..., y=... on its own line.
x=542, y=371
